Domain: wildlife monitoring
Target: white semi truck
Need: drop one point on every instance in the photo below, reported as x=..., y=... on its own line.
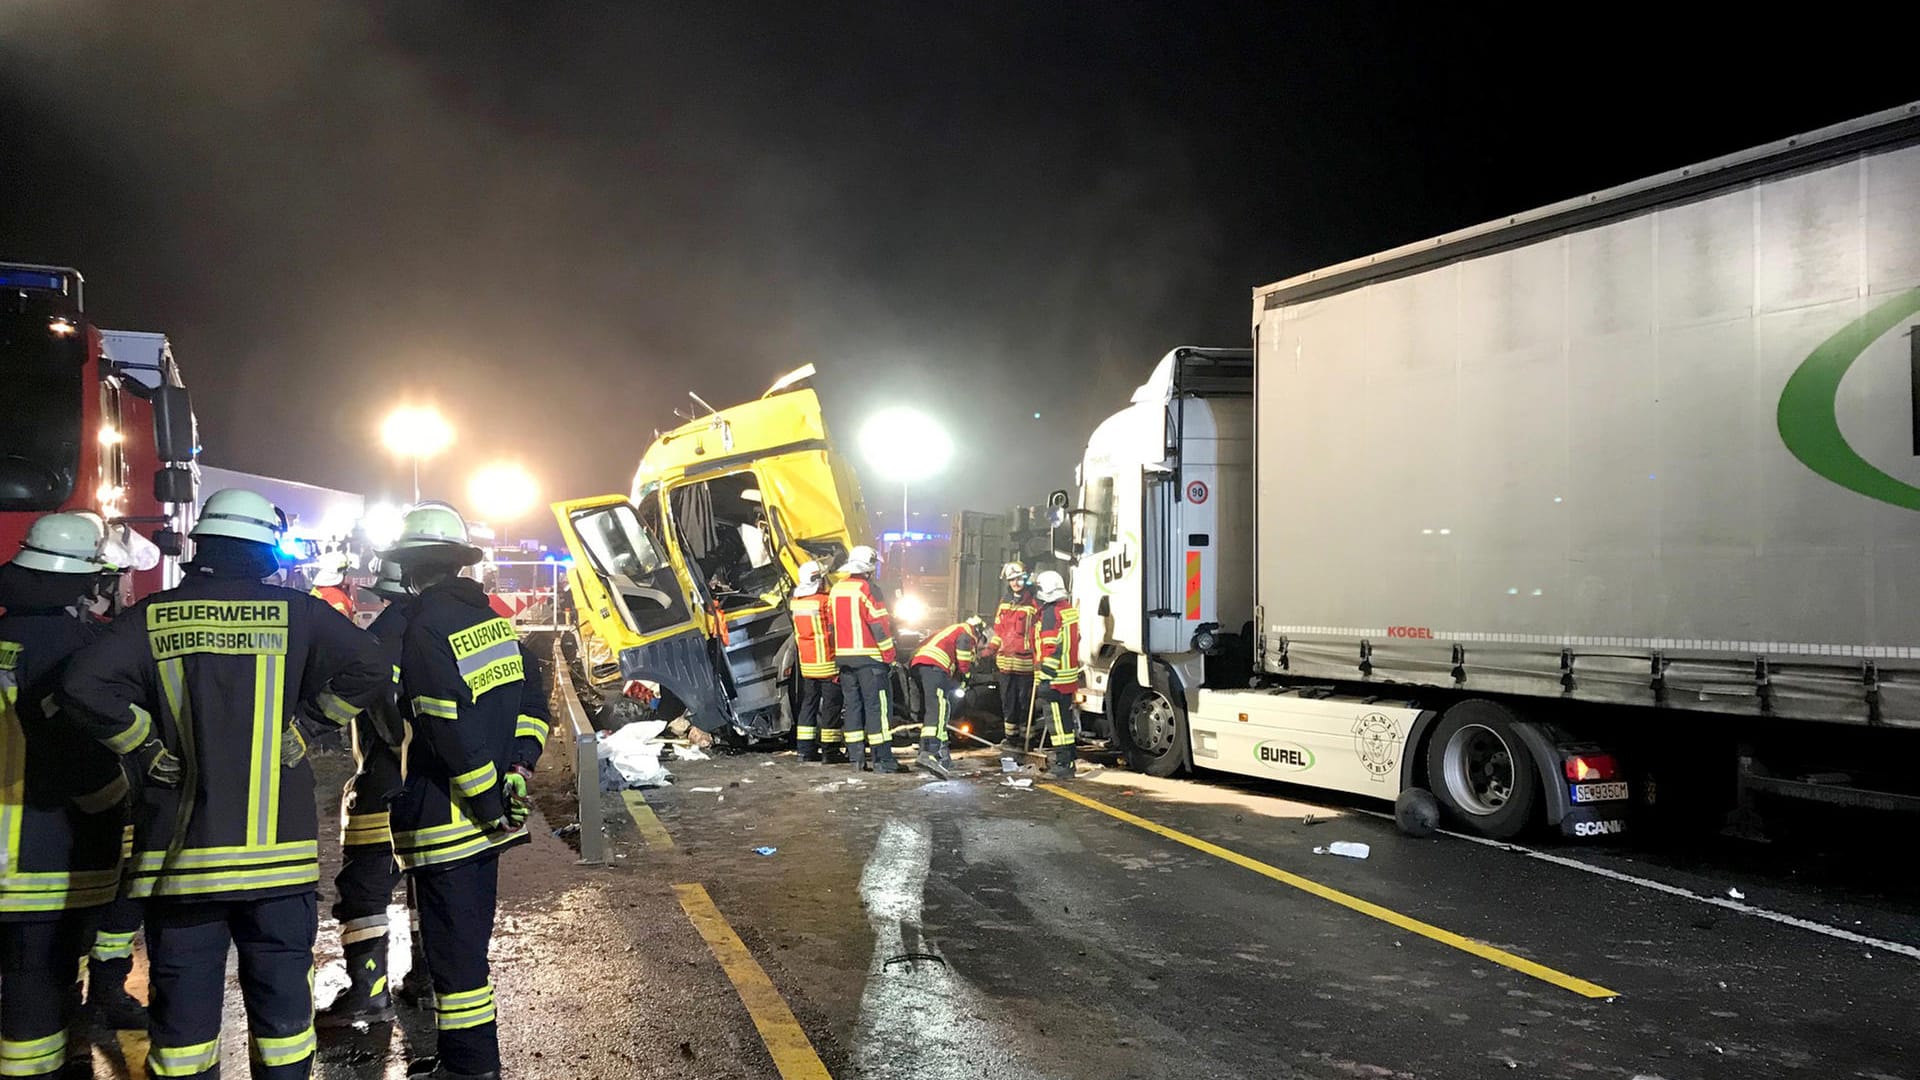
x=1606, y=507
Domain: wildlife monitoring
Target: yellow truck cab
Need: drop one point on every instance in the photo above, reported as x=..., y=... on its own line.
x=685, y=580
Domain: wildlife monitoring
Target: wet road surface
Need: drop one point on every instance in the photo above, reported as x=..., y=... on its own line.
x=911, y=927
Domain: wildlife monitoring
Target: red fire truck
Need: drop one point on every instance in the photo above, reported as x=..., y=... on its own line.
x=91, y=419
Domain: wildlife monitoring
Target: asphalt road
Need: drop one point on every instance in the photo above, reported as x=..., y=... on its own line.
x=910, y=927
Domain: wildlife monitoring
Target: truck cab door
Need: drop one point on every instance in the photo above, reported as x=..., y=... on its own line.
x=640, y=606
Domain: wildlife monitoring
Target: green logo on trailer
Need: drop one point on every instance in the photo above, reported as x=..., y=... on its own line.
x=1285, y=756
x=1808, y=416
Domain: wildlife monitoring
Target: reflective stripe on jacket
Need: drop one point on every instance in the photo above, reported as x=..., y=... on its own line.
x=813, y=636
x=1059, y=646
x=217, y=669
x=950, y=650
x=1013, y=630
x=862, y=628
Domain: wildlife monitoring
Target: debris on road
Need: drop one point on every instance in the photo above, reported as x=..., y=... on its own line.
x=765, y=850
x=1023, y=782
x=634, y=754
x=690, y=753
x=1009, y=764
x=705, y=790
x=1736, y=894
x=1347, y=848
x=1417, y=813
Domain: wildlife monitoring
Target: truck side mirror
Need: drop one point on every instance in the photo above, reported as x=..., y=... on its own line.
x=173, y=484
x=170, y=543
x=173, y=434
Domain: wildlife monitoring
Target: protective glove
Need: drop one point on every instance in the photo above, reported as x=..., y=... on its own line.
x=518, y=806
x=158, y=765
x=293, y=747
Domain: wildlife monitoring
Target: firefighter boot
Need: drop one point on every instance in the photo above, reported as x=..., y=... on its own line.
x=883, y=759
x=833, y=755
x=809, y=751
x=857, y=754
x=365, y=1000
x=416, y=987
x=1060, y=765
x=931, y=758
x=107, y=998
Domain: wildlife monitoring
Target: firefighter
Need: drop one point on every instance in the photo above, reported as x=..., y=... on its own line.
x=1013, y=652
x=63, y=797
x=942, y=666
x=368, y=872
x=816, y=733
x=197, y=686
x=1057, y=673
x=330, y=583
x=475, y=699
x=863, y=651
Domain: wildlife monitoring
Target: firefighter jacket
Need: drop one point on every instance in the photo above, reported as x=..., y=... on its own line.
x=216, y=670
x=476, y=702
x=813, y=636
x=1013, y=630
x=336, y=598
x=62, y=797
x=1058, y=643
x=950, y=650
x=862, y=628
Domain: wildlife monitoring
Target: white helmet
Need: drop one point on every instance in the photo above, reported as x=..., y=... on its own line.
x=811, y=575
x=1012, y=571
x=64, y=544
x=331, y=569
x=861, y=560
x=432, y=529
x=1049, y=586
x=242, y=515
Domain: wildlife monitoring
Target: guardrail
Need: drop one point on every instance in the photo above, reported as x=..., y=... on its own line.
x=585, y=762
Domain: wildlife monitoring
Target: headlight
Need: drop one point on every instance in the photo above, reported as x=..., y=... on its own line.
x=911, y=610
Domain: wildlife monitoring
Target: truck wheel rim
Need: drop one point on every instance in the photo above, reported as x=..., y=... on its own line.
x=1153, y=724
x=1478, y=768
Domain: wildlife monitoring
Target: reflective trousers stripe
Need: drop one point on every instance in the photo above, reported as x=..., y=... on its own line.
x=1061, y=736
x=33, y=1057
x=183, y=1060
x=464, y=1009
x=283, y=1050
x=363, y=929
x=112, y=946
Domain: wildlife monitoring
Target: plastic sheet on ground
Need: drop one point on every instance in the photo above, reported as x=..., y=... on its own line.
x=633, y=753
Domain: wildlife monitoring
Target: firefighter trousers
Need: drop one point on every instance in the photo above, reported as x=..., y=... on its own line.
x=1057, y=711
x=365, y=884
x=868, y=704
x=187, y=942
x=1016, y=702
x=40, y=964
x=936, y=700
x=456, y=922
x=818, y=719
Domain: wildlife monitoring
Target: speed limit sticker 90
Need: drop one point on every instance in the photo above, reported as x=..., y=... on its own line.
x=1197, y=491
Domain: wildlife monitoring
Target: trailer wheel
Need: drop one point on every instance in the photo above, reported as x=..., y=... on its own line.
x=1153, y=732
x=1481, y=772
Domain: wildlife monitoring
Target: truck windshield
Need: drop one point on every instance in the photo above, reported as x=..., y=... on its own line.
x=44, y=373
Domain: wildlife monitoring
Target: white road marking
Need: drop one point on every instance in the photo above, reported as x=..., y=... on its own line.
x=1722, y=902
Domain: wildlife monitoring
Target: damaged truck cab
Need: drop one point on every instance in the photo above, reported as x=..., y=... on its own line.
x=684, y=582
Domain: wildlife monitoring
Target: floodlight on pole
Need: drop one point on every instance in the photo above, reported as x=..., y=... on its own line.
x=502, y=492
x=416, y=432
x=906, y=445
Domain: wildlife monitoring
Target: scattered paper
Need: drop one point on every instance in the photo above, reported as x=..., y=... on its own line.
x=1346, y=848
x=1022, y=782
x=707, y=790
x=633, y=752
x=765, y=850
x=1736, y=894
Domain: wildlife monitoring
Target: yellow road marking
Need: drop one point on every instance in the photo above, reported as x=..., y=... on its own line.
x=1353, y=903
x=654, y=833
x=792, y=1052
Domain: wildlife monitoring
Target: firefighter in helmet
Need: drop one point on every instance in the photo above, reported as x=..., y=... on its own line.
x=817, y=733
x=863, y=651
x=65, y=796
x=1012, y=641
x=476, y=701
x=941, y=665
x=1057, y=670
x=198, y=688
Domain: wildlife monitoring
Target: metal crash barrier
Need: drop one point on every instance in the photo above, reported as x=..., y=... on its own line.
x=585, y=761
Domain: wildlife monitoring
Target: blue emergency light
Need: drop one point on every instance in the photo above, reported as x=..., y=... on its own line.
x=45, y=280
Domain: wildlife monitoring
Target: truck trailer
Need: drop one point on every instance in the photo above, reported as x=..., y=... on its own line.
x=1604, y=508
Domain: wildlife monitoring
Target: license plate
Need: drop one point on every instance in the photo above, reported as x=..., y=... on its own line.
x=1590, y=793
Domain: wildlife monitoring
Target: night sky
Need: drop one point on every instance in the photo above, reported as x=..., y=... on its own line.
x=556, y=219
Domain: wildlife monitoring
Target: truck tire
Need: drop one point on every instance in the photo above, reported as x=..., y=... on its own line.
x=1152, y=731
x=1481, y=772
